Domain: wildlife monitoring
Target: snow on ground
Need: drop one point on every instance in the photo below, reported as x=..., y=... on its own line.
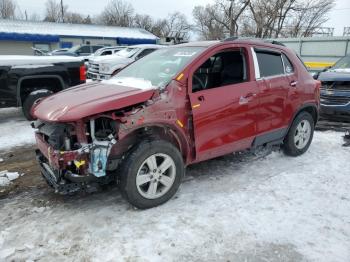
x=276, y=208
x=6, y=177
x=15, y=130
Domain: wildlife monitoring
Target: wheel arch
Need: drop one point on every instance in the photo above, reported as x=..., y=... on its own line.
x=154, y=131
x=54, y=80
x=311, y=109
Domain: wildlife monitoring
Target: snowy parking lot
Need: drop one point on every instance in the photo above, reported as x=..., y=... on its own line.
x=233, y=208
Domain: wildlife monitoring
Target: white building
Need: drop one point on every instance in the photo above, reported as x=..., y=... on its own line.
x=17, y=37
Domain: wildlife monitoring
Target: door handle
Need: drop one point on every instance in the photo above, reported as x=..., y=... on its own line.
x=245, y=99
x=201, y=98
x=249, y=95
x=294, y=83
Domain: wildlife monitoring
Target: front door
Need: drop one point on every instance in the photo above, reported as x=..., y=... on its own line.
x=224, y=104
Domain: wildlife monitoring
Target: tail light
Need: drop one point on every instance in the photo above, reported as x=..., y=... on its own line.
x=82, y=73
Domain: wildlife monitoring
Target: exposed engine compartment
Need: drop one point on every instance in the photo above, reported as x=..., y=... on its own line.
x=76, y=154
x=60, y=136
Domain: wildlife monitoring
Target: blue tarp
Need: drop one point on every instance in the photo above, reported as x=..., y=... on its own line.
x=29, y=37
x=135, y=41
x=55, y=38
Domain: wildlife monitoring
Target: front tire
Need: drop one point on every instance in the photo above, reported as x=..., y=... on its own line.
x=151, y=173
x=300, y=135
x=31, y=99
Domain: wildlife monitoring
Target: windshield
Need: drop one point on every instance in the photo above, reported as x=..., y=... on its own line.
x=127, y=52
x=159, y=67
x=73, y=49
x=343, y=63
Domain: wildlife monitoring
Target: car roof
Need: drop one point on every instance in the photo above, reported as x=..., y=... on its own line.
x=147, y=46
x=259, y=42
x=112, y=47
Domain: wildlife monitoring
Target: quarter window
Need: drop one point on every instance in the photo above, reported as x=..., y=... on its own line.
x=270, y=63
x=288, y=67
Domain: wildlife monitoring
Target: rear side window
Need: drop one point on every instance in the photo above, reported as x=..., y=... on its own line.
x=96, y=47
x=107, y=52
x=84, y=49
x=288, y=67
x=270, y=63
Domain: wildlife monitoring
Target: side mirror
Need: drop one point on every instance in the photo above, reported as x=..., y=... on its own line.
x=326, y=68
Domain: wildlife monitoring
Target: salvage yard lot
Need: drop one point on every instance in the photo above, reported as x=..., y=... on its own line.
x=238, y=208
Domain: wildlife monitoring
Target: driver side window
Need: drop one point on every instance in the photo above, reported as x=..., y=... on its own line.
x=222, y=69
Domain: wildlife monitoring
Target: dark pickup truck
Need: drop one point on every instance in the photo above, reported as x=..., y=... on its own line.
x=25, y=79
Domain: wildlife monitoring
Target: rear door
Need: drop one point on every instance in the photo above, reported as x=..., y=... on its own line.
x=224, y=103
x=274, y=87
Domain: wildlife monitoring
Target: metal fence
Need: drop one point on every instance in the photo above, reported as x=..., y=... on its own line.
x=319, y=52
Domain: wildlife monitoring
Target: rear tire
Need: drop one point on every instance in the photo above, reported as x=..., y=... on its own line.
x=300, y=135
x=31, y=99
x=151, y=173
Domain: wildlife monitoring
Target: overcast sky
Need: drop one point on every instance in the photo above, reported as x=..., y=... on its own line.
x=339, y=17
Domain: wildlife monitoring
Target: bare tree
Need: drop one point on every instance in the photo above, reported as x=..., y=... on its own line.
x=73, y=18
x=177, y=23
x=231, y=10
x=262, y=18
x=53, y=12
x=7, y=9
x=159, y=28
x=118, y=13
x=143, y=21
x=207, y=27
x=307, y=16
x=223, y=16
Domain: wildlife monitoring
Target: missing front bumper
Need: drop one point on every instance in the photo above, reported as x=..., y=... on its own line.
x=55, y=179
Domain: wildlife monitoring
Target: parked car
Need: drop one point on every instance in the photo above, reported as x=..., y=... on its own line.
x=25, y=79
x=80, y=50
x=175, y=107
x=335, y=91
x=108, y=50
x=104, y=67
x=56, y=51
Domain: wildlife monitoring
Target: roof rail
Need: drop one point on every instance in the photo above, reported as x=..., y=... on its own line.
x=274, y=42
x=232, y=38
x=270, y=41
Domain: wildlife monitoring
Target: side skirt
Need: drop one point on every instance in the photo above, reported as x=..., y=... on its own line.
x=272, y=138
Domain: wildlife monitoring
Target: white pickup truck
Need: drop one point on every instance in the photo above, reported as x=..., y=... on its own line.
x=104, y=67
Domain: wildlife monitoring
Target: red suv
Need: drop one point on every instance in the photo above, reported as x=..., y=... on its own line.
x=178, y=106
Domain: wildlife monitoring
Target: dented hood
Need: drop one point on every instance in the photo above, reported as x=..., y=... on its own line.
x=89, y=99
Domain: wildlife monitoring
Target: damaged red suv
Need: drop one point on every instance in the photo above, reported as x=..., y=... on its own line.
x=175, y=107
